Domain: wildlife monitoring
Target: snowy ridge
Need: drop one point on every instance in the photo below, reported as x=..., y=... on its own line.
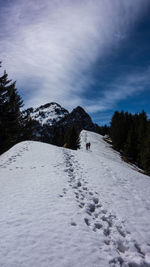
x=47, y=114
x=72, y=208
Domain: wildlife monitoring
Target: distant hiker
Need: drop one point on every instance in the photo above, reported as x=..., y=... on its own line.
x=87, y=146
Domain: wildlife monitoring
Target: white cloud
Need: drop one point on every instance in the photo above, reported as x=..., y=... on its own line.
x=48, y=46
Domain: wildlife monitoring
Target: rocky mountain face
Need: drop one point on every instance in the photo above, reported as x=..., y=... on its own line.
x=79, y=118
x=51, y=122
x=48, y=114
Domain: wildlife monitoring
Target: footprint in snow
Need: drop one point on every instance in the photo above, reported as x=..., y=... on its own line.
x=79, y=184
x=85, y=188
x=98, y=225
x=87, y=221
x=95, y=200
x=139, y=249
x=90, y=208
x=81, y=205
x=73, y=224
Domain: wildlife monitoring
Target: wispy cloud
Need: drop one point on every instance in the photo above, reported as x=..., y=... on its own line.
x=120, y=89
x=50, y=46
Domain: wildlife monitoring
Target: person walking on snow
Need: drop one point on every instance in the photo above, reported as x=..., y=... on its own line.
x=87, y=146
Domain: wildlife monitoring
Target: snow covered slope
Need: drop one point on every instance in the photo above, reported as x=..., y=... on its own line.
x=72, y=208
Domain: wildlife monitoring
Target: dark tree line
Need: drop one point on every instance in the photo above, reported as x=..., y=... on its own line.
x=13, y=128
x=68, y=138
x=72, y=139
x=103, y=130
x=130, y=135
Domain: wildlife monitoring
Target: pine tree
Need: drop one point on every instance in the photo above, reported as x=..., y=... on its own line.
x=28, y=127
x=58, y=136
x=72, y=139
x=131, y=135
x=142, y=125
x=119, y=129
x=130, y=147
x=10, y=104
x=102, y=130
x=145, y=154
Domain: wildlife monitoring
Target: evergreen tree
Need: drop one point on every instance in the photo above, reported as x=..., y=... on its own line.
x=119, y=129
x=103, y=130
x=28, y=128
x=130, y=134
x=130, y=147
x=72, y=139
x=10, y=103
x=142, y=125
x=58, y=137
x=145, y=154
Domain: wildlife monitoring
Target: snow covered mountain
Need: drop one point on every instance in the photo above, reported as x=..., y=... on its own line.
x=51, y=118
x=72, y=208
x=48, y=114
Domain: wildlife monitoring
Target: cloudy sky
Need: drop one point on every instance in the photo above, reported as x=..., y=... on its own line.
x=93, y=53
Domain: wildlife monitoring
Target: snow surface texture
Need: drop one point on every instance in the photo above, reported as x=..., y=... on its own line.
x=72, y=208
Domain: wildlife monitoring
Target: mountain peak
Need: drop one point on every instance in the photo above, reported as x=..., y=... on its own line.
x=80, y=111
x=49, y=113
x=79, y=118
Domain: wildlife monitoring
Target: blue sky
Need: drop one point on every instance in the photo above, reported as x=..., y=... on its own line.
x=93, y=53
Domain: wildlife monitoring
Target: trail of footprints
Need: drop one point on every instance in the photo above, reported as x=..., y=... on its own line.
x=13, y=158
x=99, y=219
x=96, y=217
